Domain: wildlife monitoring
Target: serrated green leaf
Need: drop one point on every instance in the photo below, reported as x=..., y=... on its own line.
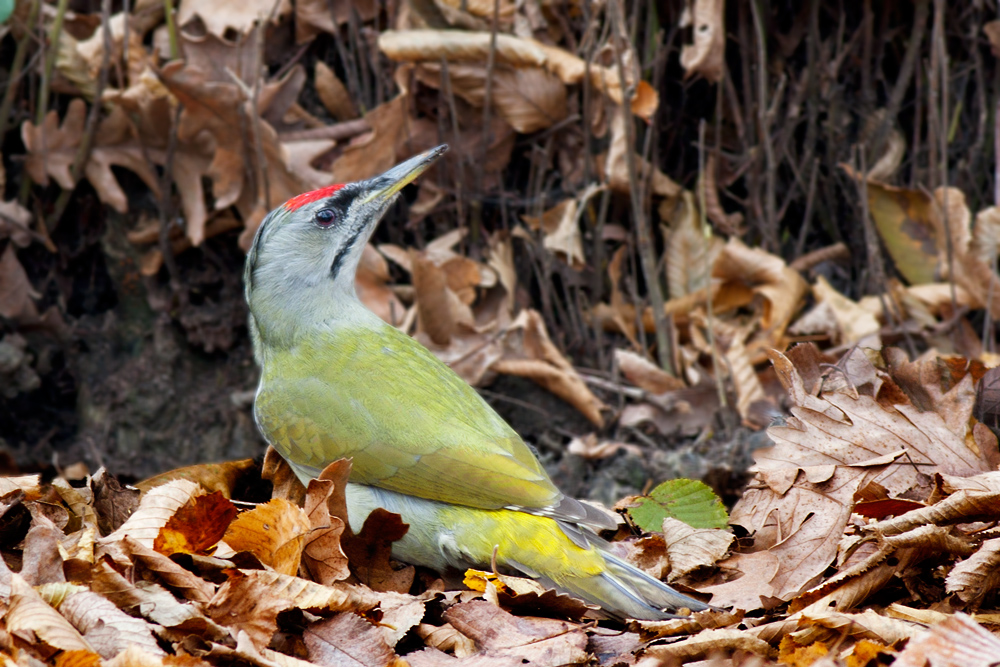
x=687, y=500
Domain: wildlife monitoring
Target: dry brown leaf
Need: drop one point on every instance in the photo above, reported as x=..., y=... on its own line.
x=172, y=575
x=560, y=226
x=691, y=249
x=274, y=532
x=780, y=287
x=221, y=477
x=616, y=166
x=845, y=321
x=347, y=639
x=371, y=283
x=216, y=107
x=369, y=553
x=977, y=576
x=333, y=93
x=956, y=642
x=31, y=619
x=693, y=548
x=706, y=55
x=529, y=353
x=52, y=148
x=152, y=601
x=528, y=98
x=285, y=483
x=323, y=559
x=196, y=527
x=743, y=375
x=155, y=509
x=644, y=374
x=243, y=604
x=459, y=46
x=531, y=641
x=475, y=47
x=105, y=627
x=374, y=152
x=240, y=15
x=41, y=562
x=446, y=638
x=442, y=314
x=308, y=595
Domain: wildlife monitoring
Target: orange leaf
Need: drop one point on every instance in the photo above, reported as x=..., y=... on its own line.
x=196, y=527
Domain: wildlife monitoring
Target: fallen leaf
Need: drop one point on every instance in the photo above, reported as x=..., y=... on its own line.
x=274, y=532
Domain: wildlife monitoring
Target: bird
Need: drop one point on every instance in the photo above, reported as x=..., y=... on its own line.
x=338, y=382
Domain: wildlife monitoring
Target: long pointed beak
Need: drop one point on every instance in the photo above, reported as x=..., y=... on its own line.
x=388, y=184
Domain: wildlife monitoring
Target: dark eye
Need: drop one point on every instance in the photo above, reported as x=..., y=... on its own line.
x=325, y=217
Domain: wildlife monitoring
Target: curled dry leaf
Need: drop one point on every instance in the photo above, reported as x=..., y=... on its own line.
x=474, y=47
x=211, y=477
x=333, y=93
x=323, y=558
x=868, y=624
x=308, y=595
x=459, y=46
x=241, y=15
x=706, y=56
x=977, y=576
x=154, y=511
x=646, y=375
x=529, y=353
x=780, y=287
x=151, y=601
x=691, y=249
x=560, y=226
x=172, y=575
x=31, y=619
x=616, y=165
x=447, y=639
x=528, y=98
x=692, y=548
x=274, y=532
x=846, y=322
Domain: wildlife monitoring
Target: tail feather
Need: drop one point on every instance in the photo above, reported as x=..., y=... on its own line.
x=624, y=591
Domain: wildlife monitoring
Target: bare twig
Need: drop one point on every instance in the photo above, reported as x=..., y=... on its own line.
x=706, y=230
x=16, y=67
x=664, y=346
x=770, y=226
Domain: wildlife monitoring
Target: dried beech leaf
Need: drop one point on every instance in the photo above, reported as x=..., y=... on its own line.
x=274, y=532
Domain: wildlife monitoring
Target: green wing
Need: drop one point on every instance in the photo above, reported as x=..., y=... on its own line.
x=408, y=421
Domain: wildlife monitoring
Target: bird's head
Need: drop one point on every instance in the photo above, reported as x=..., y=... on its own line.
x=302, y=264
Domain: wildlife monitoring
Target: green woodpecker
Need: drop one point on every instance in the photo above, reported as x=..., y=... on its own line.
x=336, y=381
